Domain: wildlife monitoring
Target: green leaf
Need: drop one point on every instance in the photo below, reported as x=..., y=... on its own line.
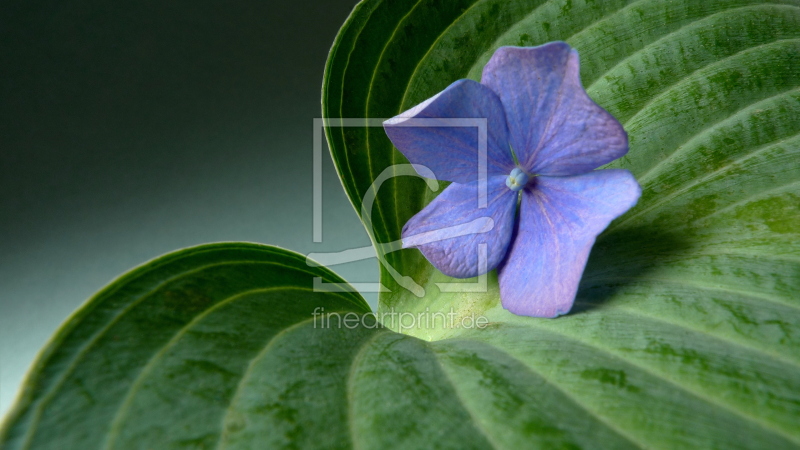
x=219, y=347
x=690, y=301
x=207, y=339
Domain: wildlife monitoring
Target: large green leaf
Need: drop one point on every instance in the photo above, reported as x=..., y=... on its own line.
x=176, y=351
x=219, y=347
x=695, y=293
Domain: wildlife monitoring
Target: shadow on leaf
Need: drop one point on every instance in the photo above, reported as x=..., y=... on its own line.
x=623, y=256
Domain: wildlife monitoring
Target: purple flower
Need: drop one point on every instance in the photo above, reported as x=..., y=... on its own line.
x=545, y=137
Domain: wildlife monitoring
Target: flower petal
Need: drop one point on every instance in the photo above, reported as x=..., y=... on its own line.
x=452, y=152
x=559, y=220
x=450, y=229
x=555, y=128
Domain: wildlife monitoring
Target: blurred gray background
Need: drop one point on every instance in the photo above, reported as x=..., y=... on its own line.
x=128, y=130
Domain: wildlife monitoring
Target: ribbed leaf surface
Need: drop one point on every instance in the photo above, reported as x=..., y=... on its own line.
x=686, y=330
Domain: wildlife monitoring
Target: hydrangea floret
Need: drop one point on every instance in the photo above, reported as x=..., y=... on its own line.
x=544, y=139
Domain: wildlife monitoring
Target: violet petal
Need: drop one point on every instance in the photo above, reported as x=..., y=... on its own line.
x=555, y=128
x=451, y=228
x=560, y=217
x=452, y=152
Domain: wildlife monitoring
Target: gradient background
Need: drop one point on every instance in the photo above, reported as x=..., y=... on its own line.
x=131, y=130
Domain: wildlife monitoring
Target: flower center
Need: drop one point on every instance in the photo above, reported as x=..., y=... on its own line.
x=517, y=179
